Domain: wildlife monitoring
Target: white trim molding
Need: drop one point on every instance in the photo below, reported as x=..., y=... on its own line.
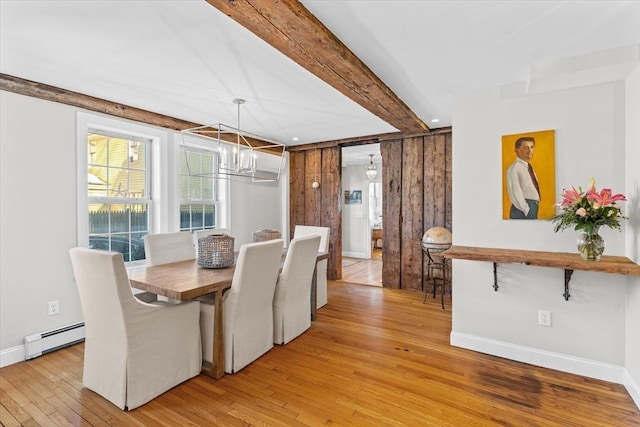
x=632, y=387
x=547, y=359
x=12, y=355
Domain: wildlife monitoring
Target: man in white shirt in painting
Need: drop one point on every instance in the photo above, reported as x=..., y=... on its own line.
x=522, y=183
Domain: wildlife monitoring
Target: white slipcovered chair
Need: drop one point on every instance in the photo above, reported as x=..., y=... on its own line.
x=321, y=272
x=247, y=306
x=133, y=351
x=291, y=308
x=164, y=248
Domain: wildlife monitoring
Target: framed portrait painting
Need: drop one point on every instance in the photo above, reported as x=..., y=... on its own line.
x=528, y=175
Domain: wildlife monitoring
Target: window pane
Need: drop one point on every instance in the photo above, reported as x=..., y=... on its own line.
x=97, y=181
x=137, y=183
x=137, y=155
x=197, y=193
x=119, y=182
x=195, y=188
x=97, y=149
x=109, y=229
x=207, y=163
x=209, y=216
x=98, y=219
x=118, y=152
x=197, y=217
x=185, y=217
x=194, y=165
x=184, y=185
x=208, y=189
x=117, y=172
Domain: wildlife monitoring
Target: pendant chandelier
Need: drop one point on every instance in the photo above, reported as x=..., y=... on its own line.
x=241, y=155
x=372, y=171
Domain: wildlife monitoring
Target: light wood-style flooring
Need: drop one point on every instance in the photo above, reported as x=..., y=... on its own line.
x=375, y=356
x=363, y=271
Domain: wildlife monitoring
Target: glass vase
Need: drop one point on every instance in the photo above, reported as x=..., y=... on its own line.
x=590, y=245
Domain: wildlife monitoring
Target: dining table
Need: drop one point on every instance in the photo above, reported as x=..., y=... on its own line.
x=187, y=280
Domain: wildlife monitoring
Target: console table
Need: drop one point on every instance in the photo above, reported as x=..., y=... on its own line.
x=567, y=261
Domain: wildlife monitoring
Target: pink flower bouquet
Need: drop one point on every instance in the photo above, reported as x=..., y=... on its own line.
x=588, y=211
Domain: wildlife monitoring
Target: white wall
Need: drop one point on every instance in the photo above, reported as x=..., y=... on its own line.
x=38, y=217
x=356, y=234
x=632, y=250
x=253, y=207
x=589, y=332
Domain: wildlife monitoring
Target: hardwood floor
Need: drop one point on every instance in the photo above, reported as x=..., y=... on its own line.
x=363, y=271
x=375, y=356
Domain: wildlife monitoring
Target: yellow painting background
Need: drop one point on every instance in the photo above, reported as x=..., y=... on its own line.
x=543, y=163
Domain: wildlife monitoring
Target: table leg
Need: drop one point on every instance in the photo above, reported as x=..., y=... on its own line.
x=314, y=290
x=216, y=368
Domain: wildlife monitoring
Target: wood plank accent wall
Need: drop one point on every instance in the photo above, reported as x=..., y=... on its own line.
x=391, y=152
x=437, y=188
x=416, y=174
x=322, y=206
x=331, y=207
x=417, y=196
x=412, y=206
x=297, y=189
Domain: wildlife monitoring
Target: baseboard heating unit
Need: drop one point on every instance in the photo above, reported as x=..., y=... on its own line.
x=45, y=342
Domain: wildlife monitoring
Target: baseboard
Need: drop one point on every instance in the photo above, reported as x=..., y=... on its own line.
x=632, y=387
x=44, y=342
x=354, y=255
x=545, y=359
x=12, y=355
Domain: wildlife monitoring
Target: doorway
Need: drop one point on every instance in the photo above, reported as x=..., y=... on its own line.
x=362, y=214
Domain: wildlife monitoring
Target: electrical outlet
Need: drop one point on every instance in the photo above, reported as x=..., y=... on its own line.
x=54, y=307
x=544, y=318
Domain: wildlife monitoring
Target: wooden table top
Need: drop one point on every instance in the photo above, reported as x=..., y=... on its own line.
x=186, y=280
x=183, y=280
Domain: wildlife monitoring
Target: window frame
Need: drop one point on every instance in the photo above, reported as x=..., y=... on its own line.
x=185, y=149
x=164, y=209
x=222, y=192
x=158, y=190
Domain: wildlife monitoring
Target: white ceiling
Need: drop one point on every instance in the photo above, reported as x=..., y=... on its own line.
x=187, y=60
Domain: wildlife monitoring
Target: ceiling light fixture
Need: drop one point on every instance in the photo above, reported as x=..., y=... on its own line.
x=372, y=171
x=241, y=155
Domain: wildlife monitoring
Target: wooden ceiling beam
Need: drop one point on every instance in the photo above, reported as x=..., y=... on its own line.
x=55, y=94
x=290, y=28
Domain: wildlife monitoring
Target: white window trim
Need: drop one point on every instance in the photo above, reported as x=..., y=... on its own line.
x=223, y=217
x=159, y=213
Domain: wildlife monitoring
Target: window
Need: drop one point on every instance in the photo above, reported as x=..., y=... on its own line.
x=133, y=180
x=118, y=192
x=198, y=189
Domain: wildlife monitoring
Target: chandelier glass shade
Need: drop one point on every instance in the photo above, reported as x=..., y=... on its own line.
x=241, y=155
x=371, y=170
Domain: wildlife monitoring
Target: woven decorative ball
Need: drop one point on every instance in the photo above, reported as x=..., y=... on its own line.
x=266, y=234
x=216, y=251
